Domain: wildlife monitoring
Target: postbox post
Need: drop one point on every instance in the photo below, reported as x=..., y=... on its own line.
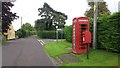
x=87, y=51
x=87, y=40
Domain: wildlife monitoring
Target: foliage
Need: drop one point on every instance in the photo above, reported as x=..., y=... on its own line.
x=25, y=31
x=21, y=33
x=108, y=32
x=28, y=26
x=39, y=25
x=48, y=34
x=102, y=9
x=68, y=33
x=51, y=17
x=7, y=15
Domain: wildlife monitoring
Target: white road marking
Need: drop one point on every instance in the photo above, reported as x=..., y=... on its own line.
x=41, y=42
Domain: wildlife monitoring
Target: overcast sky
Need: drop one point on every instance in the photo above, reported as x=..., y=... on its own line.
x=28, y=9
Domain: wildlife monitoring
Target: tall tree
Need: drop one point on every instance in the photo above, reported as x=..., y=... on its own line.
x=39, y=25
x=59, y=18
x=28, y=26
x=46, y=14
x=102, y=9
x=7, y=15
x=26, y=30
x=51, y=16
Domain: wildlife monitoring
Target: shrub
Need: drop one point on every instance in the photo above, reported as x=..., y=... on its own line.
x=68, y=33
x=108, y=32
x=21, y=33
x=48, y=34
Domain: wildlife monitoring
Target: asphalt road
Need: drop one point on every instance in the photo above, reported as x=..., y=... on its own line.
x=25, y=52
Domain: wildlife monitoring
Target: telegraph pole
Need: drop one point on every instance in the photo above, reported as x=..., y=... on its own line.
x=21, y=22
x=119, y=6
x=95, y=25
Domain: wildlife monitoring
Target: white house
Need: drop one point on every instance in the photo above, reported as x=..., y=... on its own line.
x=10, y=33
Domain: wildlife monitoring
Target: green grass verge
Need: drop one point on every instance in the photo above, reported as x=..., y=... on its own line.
x=0, y=41
x=96, y=57
x=55, y=49
x=4, y=41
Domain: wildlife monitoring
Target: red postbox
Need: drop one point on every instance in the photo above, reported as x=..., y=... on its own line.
x=81, y=35
x=86, y=37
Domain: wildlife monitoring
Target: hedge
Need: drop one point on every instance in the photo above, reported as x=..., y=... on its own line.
x=49, y=34
x=21, y=33
x=108, y=32
x=68, y=33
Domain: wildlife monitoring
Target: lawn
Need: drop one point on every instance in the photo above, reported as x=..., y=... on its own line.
x=55, y=49
x=96, y=57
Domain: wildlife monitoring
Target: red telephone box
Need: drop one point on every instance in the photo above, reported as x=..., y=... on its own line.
x=81, y=35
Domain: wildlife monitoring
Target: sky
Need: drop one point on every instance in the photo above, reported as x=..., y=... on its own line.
x=28, y=9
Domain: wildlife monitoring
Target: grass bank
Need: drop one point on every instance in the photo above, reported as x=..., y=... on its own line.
x=4, y=41
x=55, y=49
x=96, y=57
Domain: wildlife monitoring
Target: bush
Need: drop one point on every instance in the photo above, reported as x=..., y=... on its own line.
x=108, y=32
x=33, y=32
x=68, y=33
x=48, y=34
x=21, y=33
